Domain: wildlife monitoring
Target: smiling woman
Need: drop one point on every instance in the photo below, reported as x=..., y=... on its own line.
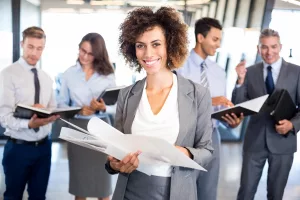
x=163, y=105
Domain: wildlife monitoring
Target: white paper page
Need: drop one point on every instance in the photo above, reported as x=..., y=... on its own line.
x=79, y=136
x=73, y=125
x=65, y=136
x=158, y=149
x=254, y=104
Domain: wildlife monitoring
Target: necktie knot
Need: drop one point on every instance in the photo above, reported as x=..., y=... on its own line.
x=203, y=65
x=34, y=70
x=269, y=68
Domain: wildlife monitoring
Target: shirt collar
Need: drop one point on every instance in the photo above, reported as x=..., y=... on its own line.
x=196, y=58
x=78, y=66
x=24, y=64
x=275, y=66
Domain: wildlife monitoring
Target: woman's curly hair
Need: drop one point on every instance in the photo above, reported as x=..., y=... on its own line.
x=143, y=19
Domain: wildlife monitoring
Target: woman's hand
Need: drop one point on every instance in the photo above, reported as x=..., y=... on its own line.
x=127, y=165
x=87, y=110
x=185, y=151
x=98, y=105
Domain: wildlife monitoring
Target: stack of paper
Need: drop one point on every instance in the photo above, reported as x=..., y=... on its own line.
x=105, y=138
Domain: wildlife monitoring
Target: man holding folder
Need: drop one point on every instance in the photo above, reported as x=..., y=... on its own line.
x=264, y=139
x=27, y=153
x=200, y=69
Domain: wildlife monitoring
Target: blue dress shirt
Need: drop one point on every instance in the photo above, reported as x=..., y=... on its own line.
x=77, y=91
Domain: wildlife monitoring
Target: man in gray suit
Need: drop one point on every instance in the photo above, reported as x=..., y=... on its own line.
x=265, y=140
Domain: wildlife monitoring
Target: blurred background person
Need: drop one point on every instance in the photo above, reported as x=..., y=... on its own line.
x=200, y=69
x=81, y=85
x=27, y=153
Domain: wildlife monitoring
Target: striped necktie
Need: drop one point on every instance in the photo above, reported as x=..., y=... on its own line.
x=203, y=77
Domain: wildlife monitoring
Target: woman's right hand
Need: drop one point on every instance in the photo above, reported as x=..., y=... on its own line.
x=86, y=110
x=127, y=165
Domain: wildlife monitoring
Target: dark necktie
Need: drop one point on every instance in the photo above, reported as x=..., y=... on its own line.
x=269, y=81
x=36, y=86
x=36, y=90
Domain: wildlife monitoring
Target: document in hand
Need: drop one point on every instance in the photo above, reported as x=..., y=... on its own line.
x=110, y=95
x=26, y=112
x=155, y=151
x=280, y=105
x=247, y=108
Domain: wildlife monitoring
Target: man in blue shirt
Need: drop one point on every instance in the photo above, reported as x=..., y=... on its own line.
x=198, y=68
x=27, y=153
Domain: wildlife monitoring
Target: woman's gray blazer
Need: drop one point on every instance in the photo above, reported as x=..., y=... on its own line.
x=194, y=106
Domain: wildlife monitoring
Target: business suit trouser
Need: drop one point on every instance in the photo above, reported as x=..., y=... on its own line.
x=26, y=164
x=278, y=172
x=207, y=182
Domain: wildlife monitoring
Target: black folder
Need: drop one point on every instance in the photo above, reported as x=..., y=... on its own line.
x=26, y=112
x=110, y=95
x=237, y=110
x=280, y=105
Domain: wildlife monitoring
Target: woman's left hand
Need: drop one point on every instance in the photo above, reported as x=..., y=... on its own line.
x=98, y=105
x=185, y=151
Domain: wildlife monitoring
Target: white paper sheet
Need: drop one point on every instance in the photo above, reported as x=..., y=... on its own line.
x=105, y=138
x=254, y=104
x=157, y=149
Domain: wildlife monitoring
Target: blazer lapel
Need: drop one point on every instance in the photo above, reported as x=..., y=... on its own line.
x=185, y=104
x=260, y=77
x=283, y=74
x=133, y=102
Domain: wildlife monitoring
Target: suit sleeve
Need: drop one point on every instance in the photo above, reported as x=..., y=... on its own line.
x=202, y=150
x=240, y=93
x=296, y=120
x=118, y=125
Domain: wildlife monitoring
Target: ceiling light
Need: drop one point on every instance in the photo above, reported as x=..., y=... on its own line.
x=292, y=1
x=75, y=2
x=110, y=3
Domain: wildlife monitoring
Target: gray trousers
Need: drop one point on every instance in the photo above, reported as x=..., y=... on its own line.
x=278, y=173
x=207, y=182
x=141, y=186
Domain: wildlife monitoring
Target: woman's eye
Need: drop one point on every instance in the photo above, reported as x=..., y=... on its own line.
x=139, y=46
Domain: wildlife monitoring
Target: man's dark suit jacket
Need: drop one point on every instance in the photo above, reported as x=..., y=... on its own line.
x=261, y=130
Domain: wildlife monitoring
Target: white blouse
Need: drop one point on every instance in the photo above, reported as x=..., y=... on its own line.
x=164, y=125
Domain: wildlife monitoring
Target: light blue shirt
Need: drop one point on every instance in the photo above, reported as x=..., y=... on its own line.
x=276, y=66
x=216, y=76
x=77, y=91
x=17, y=86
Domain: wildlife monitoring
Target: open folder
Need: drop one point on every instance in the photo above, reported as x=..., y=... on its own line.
x=108, y=140
x=26, y=112
x=247, y=108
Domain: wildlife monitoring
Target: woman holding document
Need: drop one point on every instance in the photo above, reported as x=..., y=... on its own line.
x=163, y=105
x=81, y=86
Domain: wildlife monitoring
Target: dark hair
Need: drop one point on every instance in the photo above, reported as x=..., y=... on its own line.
x=34, y=32
x=143, y=19
x=101, y=62
x=204, y=25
